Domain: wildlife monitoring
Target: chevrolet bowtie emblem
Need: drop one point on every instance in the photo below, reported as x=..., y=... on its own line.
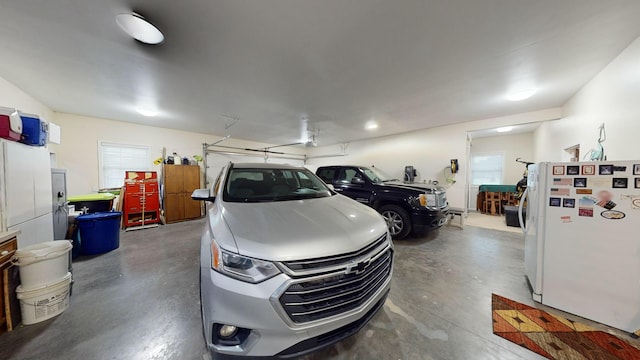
x=357, y=267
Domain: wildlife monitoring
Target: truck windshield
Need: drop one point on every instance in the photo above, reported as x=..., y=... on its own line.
x=266, y=185
x=376, y=176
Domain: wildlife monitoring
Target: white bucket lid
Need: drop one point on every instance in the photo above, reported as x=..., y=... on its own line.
x=42, y=251
x=58, y=285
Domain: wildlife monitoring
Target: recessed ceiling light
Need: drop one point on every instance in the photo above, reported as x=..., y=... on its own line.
x=371, y=125
x=147, y=111
x=504, y=129
x=521, y=94
x=139, y=28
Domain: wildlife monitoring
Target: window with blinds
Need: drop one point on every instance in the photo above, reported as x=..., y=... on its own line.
x=115, y=159
x=487, y=168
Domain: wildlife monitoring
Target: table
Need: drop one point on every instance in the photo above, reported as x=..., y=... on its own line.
x=492, y=198
x=497, y=188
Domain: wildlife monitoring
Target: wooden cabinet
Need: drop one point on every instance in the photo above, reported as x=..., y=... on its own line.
x=9, y=280
x=179, y=183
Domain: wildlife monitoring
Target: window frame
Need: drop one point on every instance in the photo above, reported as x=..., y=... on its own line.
x=101, y=161
x=488, y=154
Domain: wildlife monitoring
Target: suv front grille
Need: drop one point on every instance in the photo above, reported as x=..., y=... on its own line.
x=357, y=280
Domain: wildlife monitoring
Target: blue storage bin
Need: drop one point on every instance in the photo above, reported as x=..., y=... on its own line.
x=34, y=130
x=99, y=232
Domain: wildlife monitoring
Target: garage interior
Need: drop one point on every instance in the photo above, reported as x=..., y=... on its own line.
x=389, y=84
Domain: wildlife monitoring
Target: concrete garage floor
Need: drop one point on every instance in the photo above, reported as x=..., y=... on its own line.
x=141, y=301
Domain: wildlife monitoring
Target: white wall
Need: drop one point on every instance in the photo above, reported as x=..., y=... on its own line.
x=429, y=151
x=14, y=97
x=512, y=146
x=611, y=97
x=78, y=151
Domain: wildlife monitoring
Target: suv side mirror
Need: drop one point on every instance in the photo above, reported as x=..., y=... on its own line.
x=357, y=180
x=202, y=194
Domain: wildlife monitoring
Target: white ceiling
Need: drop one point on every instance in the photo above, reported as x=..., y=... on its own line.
x=408, y=64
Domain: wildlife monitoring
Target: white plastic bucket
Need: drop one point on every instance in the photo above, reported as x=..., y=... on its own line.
x=43, y=263
x=45, y=302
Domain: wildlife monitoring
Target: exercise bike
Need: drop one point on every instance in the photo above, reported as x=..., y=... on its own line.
x=521, y=186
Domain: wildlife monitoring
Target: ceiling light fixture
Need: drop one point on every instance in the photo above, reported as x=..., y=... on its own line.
x=140, y=29
x=371, y=125
x=147, y=111
x=504, y=129
x=520, y=95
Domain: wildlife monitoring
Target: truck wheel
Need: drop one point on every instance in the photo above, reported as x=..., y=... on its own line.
x=397, y=220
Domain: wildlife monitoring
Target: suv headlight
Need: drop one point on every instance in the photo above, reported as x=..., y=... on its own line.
x=241, y=267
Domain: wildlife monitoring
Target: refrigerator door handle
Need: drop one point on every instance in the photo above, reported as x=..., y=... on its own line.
x=525, y=194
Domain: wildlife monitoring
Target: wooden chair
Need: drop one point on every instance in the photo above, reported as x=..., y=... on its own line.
x=492, y=203
x=480, y=202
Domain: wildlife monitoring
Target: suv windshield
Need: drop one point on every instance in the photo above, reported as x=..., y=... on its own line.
x=375, y=175
x=264, y=185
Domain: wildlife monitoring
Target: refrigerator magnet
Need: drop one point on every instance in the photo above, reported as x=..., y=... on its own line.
x=585, y=211
x=620, y=168
x=605, y=169
x=637, y=183
x=612, y=214
x=558, y=169
x=580, y=182
x=636, y=169
x=562, y=181
x=569, y=203
x=619, y=183
x=554, y=201
x=588, y=169
x=573, y=170
x=559, y=191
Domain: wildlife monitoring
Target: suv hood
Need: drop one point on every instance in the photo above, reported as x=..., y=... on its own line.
x=301, y=229
x=414, y=186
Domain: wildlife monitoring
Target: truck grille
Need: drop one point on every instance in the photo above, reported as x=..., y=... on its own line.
x=441, y=198
x=358, y=277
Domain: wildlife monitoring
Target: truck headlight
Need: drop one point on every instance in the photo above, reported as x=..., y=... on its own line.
x=241, y=267
x=428, y=200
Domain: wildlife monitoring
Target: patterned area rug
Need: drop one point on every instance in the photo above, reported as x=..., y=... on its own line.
x=555, y=337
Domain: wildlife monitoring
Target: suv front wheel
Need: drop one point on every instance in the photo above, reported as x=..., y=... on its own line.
x=397, y=220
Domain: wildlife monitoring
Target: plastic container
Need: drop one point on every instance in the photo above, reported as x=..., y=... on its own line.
x=34, y=130
x=45, y=302
x=100, y=202
x=511, y=216
x=43, y=263
x=99, y=232
x=10, y=124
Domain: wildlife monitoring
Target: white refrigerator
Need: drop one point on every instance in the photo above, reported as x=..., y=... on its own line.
x=25, y=192
x=582, y=239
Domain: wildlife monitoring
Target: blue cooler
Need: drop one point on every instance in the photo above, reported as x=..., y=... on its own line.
x=34, y=130
x=99, y=232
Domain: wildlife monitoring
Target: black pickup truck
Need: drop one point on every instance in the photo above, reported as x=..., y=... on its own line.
x=405, y=206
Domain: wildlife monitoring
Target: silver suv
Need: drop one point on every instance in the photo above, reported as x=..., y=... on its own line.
x=287, y=265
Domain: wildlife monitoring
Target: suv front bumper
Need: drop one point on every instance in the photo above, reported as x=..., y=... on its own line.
x=251, y=306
